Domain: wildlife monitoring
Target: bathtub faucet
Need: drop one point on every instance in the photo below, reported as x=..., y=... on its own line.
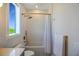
x=25, y=38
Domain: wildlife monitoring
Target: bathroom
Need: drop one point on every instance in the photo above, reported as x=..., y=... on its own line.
x=32, y=24
x=39, y=29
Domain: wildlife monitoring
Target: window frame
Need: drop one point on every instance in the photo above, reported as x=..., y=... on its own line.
x=17, y=7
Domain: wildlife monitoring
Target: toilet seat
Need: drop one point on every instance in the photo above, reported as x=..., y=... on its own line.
x=29, y=53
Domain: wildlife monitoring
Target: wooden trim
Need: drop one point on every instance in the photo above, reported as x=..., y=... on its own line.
x=65, y=45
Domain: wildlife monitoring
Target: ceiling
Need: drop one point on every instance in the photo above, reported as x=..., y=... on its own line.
x=41, y=6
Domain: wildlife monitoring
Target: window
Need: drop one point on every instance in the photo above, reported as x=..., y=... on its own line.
x=14, y=19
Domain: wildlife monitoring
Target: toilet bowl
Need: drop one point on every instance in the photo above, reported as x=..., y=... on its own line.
x=29, y=53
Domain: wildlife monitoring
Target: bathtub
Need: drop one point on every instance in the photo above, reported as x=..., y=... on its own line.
x=38, y=50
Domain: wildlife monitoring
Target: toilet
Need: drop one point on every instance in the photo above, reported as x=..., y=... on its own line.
x=29, y=53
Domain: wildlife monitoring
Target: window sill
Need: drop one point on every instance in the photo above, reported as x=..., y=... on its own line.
x=12, y=34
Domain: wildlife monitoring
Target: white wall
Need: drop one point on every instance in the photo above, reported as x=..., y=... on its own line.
x=2, y=26
x=65, y=22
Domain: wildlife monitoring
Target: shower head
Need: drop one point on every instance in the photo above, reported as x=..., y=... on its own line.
x=29, y=17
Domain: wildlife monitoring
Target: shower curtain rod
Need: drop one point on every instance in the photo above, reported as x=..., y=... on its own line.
x=37, y=13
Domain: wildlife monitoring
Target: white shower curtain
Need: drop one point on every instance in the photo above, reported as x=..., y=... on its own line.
x=47, y=37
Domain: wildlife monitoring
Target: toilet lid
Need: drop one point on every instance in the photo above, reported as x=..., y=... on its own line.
x=29, y=53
